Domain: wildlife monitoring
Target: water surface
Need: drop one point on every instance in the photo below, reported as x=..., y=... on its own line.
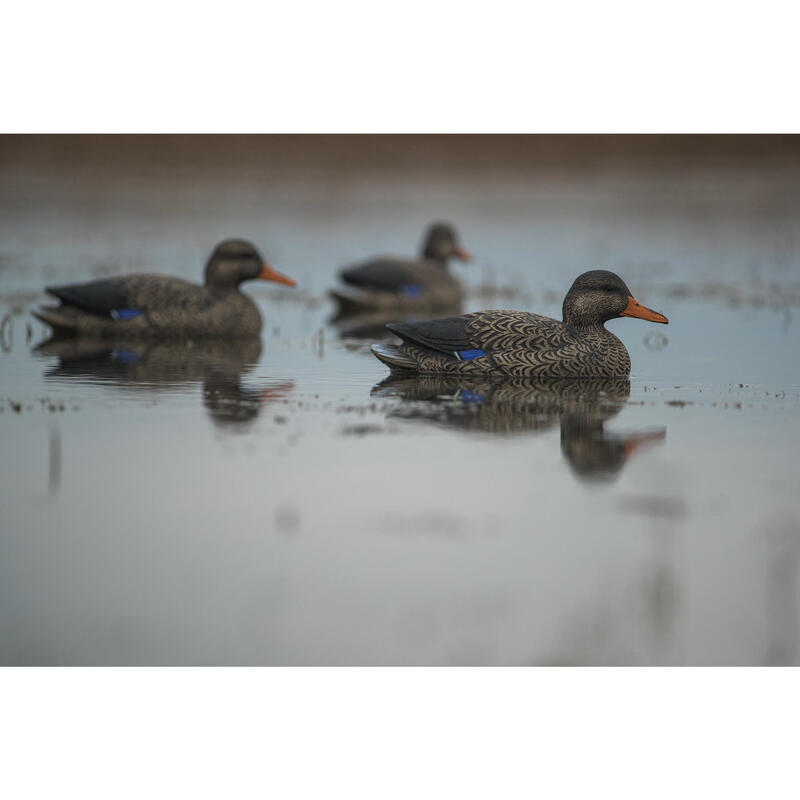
x=282, y=502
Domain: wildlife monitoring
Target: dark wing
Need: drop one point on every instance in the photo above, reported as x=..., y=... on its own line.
x=130, y=295
x=488, y=331
x=384, y=274
x=445, y=335
x=97, y=297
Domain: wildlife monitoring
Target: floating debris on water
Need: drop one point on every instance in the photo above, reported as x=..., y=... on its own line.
x=658, y=506
x=655, y=341
x=362, y=430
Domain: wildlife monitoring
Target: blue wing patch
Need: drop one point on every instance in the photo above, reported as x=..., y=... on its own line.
x=467, y=396
x=411, y=291
x=126, y=357
x=468, y=355
x=121, y=314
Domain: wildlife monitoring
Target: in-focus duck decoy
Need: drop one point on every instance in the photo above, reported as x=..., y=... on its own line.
x=524, y=344
x=392, y=283
x=146, y=305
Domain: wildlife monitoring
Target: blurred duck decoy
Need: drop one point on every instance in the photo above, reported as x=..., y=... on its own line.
x=397, y=284
x=523, y=344
x=148, y=305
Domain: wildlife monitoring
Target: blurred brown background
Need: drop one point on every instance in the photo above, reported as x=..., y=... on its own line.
x=515, y=153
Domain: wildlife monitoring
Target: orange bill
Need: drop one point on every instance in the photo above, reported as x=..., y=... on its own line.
x=636, y=309
x=462, y=255
x=269, y=274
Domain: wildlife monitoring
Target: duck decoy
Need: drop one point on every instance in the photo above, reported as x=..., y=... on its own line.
x=392, y=283
x=148, y=305
x=523, y=344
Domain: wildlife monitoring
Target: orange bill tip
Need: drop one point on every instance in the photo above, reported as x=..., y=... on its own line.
x=462, y=254
x=275, y=392
x=642, y=440
x=269, y=274
x=636, y=309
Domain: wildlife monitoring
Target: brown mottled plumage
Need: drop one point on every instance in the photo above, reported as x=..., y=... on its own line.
x=148, y=305
x=522, y=344
x=406, y=285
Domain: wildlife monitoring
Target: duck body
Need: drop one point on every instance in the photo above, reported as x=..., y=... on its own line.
x=523, y=344
x=515, y=343
x=150, y=305
x=396, y=284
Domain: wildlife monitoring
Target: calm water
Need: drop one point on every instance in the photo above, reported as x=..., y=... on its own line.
x=282, y=503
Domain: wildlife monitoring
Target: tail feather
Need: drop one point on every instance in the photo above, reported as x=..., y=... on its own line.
x=55, y=318
x=394, y=357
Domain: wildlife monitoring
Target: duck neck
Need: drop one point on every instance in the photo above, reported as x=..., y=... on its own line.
x=218, y=290
x=582, y=316
x=586, y=327
x=435, y=259
x=604, y=343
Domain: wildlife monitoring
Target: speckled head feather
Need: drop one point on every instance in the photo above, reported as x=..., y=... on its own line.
x=441, y=243
x=232, y=262
x=594, y=298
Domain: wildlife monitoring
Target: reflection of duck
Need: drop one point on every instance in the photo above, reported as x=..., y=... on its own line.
x=522, y=344
x=157, y=306
x=157, y=366
x=398, y=284
x=581, y=407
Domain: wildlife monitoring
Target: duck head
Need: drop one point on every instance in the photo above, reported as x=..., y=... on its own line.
x=598, y=296
x=441, y=244
x=234, y=261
